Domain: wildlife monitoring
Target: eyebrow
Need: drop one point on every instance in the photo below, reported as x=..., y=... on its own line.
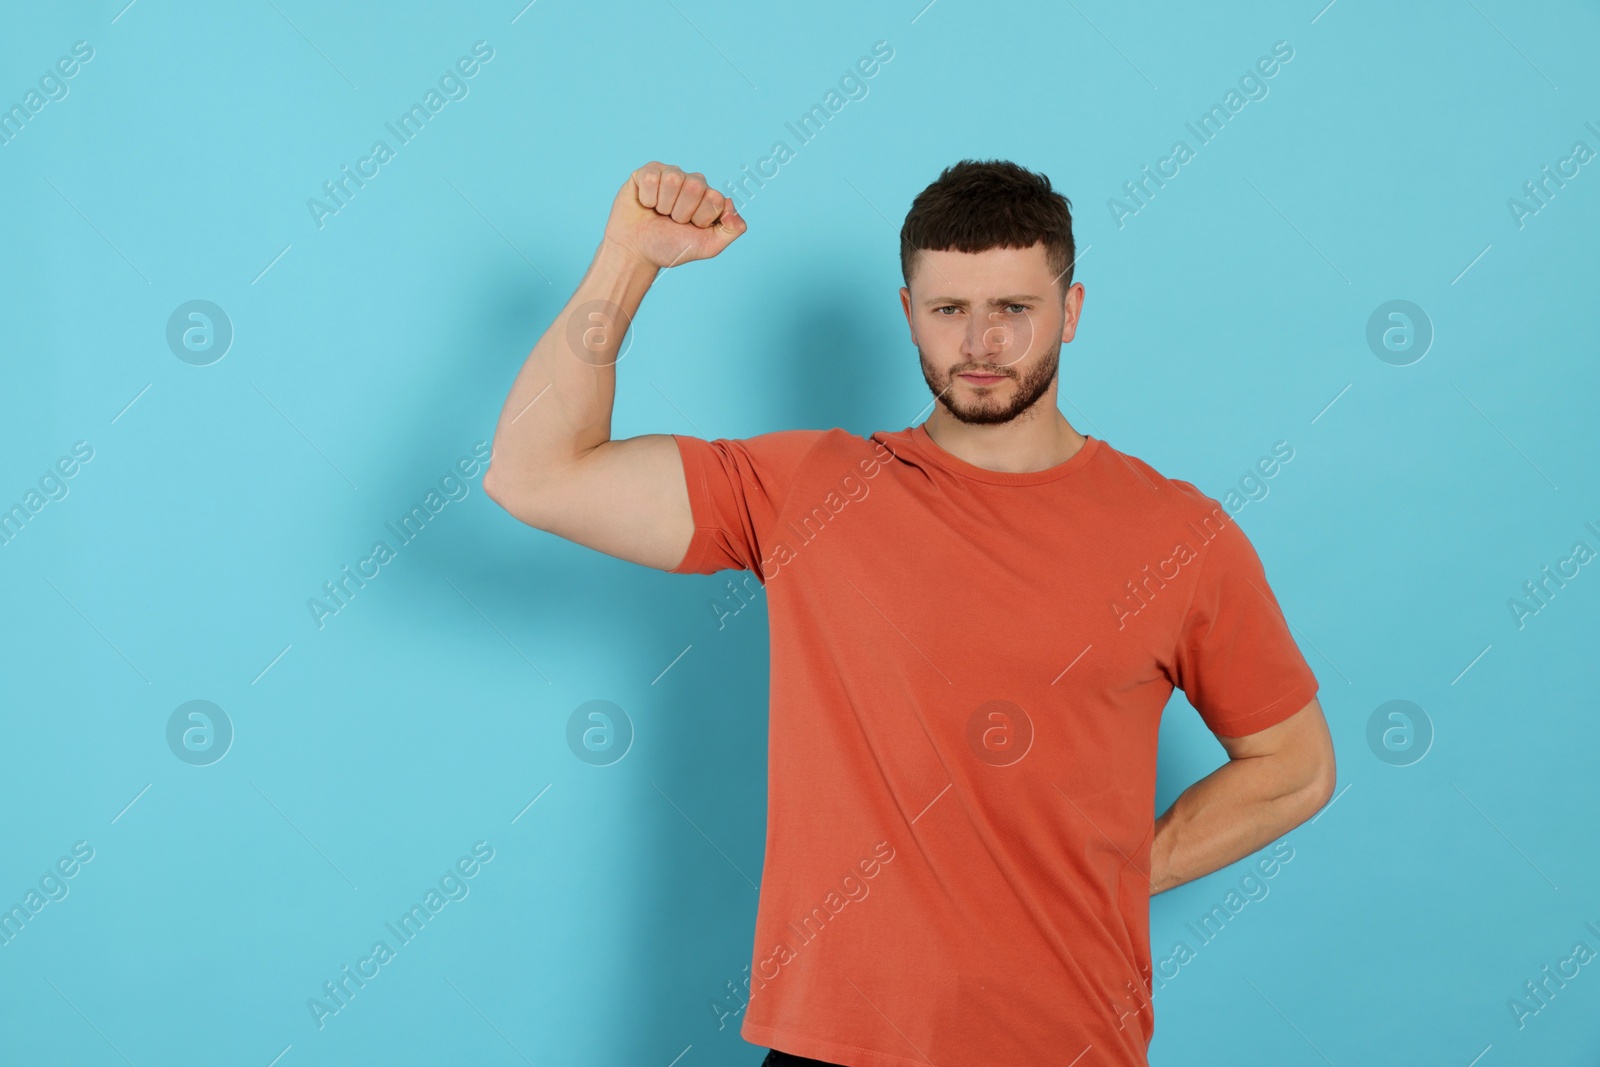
x=998, y=301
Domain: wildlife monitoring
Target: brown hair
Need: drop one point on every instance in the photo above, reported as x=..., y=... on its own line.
x=976, y=205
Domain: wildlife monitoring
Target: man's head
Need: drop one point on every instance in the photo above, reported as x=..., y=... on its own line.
x=987, y=254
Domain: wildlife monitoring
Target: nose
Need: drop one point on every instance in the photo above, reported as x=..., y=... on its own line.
x=986, y=336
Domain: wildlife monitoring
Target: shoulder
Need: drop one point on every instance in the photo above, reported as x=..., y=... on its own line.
x=784, y=442
x=835, y=454
x=835, y=446
x=1142, y=482
x=770, y=464
x=778, y=449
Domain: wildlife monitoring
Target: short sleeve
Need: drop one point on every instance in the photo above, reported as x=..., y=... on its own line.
x=1236, y=659
x=737, y=488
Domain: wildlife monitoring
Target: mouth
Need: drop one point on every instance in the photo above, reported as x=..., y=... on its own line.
x=983, y=379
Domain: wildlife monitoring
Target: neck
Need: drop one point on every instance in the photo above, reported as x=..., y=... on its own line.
x=1036, y=440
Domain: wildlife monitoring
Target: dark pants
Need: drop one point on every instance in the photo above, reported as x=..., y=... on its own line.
x=785, y=1059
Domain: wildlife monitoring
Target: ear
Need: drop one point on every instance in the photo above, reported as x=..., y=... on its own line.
x=1072, y=307
x=905, y=305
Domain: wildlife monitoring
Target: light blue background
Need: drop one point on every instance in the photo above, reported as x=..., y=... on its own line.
x=373, y=352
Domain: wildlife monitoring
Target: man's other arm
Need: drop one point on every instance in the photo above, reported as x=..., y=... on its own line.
x=1274, y=780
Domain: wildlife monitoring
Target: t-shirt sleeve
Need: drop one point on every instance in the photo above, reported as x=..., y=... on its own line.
x=1236, y=659
x=737, y=487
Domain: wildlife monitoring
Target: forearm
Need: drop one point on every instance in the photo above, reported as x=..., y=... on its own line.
x=560, y=405
x=1233, y=811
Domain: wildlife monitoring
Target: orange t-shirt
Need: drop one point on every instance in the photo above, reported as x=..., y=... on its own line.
x=968, y=673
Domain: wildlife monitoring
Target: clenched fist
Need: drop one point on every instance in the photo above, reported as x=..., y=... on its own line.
x=666, y=217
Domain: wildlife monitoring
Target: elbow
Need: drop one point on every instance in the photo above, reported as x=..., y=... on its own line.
x=493, y=488
x=513, y=496
x=1323, y=779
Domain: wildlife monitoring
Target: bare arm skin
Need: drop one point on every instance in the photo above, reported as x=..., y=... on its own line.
x=1274, y=780
x=554, y=465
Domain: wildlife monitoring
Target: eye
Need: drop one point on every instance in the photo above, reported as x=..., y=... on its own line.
x=947, y=307
x=1019, y=308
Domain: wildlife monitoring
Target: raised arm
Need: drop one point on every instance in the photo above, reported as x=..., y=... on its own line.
x=554, y=464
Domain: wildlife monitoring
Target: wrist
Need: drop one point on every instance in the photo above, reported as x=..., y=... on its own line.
x=1160, y=857
x=614, y=257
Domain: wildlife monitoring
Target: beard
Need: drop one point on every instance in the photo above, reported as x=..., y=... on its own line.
x=989, y=408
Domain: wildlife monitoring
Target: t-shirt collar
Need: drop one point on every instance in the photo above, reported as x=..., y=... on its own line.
x=926, y=446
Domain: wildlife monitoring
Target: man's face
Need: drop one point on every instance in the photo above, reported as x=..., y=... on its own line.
x=989, y=327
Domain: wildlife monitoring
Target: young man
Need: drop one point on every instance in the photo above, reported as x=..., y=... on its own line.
x=976, y=623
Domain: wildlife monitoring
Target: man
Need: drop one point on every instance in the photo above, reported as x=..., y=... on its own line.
x=976, y=623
